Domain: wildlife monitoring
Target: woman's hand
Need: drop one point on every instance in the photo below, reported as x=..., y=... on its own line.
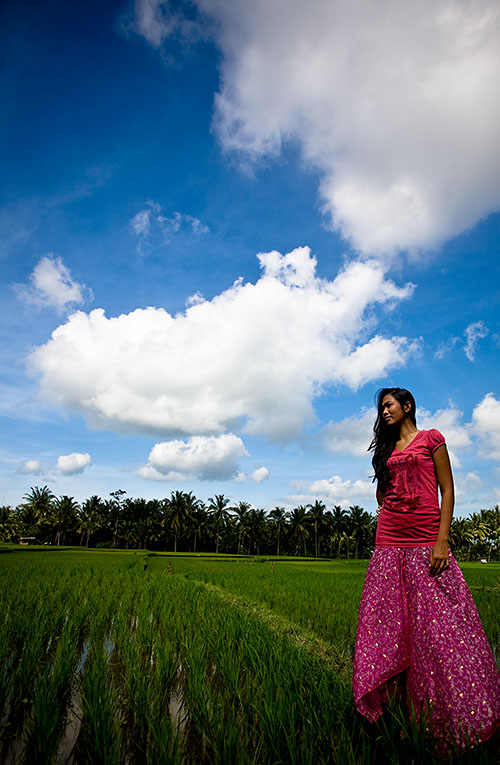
x=440, y=557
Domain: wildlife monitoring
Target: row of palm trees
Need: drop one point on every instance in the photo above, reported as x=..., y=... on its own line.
x=182, y=522
x=477, y=536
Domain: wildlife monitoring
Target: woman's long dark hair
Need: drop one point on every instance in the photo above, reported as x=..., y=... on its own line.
x=384, y=436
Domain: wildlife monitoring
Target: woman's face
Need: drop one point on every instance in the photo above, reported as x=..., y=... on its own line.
x=391, y=410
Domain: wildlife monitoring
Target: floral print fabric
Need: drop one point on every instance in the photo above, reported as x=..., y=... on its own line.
x=428, y=628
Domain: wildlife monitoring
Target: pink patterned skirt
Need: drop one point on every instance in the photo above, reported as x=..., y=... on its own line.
x=427, y=628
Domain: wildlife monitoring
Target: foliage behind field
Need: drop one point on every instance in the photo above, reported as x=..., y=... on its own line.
x=183, y=522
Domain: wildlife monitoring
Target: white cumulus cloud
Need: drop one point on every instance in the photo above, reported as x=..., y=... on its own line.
x=253, y=358
x=335, y=491
x=473, y=333
x=202, y=457
x=157, y=19
x=449, y=422
x=446, y=347
x=30, y=466
x=51, y=285
x=72, y=464
x=352, y=435
x=261, y=474
x=466, y=489
x=152, y=227
x=395, y=103
x=141, y=223
x=486, y=426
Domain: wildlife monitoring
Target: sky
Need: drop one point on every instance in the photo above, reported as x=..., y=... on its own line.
x=225, y=225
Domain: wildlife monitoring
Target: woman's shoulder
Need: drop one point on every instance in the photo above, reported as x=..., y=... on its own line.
x=433, y=438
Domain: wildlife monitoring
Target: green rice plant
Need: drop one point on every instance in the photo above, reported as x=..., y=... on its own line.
x=143, y=664
x=322, y=599
x=225, y=661
x=99, y=742
x=26, y=669
x=488, y=606
x=134, y=649
x=163, y=744
x=6, y=669
x=50, y=700
x=275, y=705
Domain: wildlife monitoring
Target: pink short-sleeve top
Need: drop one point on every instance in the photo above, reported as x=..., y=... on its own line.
x=410, y=513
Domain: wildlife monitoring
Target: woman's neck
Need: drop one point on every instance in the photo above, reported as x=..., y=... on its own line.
x=407, y=430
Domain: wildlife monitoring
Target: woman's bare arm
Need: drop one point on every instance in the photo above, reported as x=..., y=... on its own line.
x=440, y=551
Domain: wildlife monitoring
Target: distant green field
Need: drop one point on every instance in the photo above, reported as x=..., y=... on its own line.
x=130, y=657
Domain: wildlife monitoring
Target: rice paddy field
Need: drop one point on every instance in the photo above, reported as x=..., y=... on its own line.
x=129, y=657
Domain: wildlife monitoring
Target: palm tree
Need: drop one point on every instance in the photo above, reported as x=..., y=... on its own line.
x=492, y=531
x=192, y=503
x=89, y=518
x=241, y=512
x=361, y=524
x=338, y=522
x=127, y=531
x=460, y=537
x=199, y=520
x=151, y=522
x=154, y=516
x=298, y=526
x=63, y=516
x=219, y=515
x=277, y=519
x=178, y=508
x=8, y=523
x=116, y=505
x=316, y=518
x=175, y=513
x=478, y=529
x=256, y=527
x=36, y=508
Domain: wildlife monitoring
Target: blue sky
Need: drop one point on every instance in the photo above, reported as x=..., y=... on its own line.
x=224, y=225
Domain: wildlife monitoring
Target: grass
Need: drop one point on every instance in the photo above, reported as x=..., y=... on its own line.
x=114, y=657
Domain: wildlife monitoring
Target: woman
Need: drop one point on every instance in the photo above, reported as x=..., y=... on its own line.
x=418, y=626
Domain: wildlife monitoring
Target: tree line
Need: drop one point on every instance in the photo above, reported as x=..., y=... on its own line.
x=184, y=523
